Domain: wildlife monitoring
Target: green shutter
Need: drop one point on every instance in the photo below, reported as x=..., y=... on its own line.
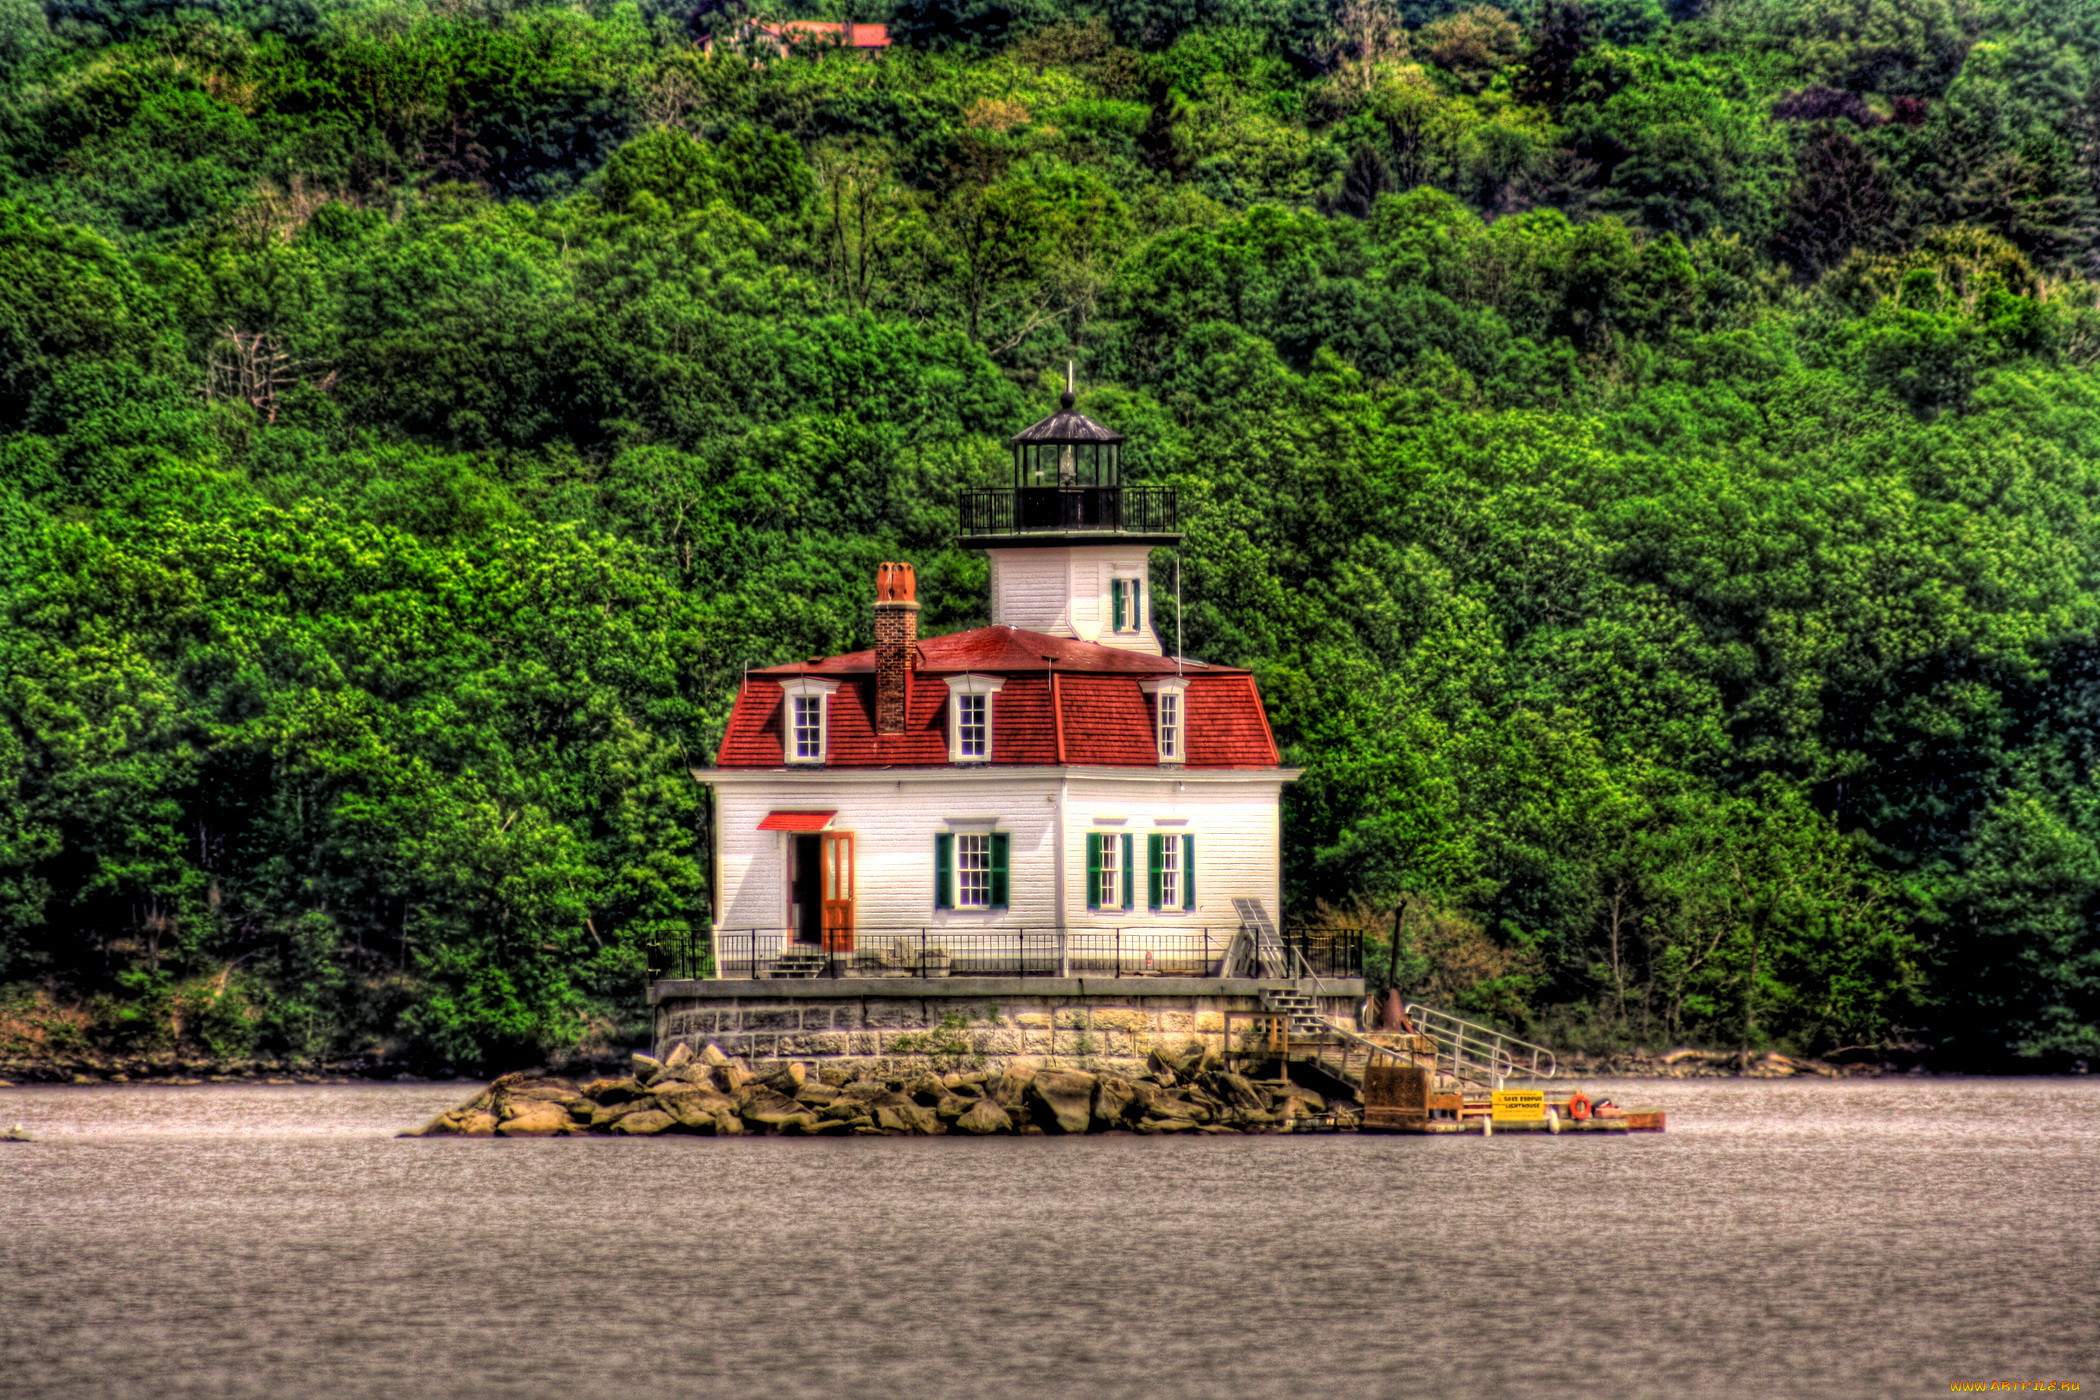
x=1093, y=870
x=1153, y=847
x=1137, y=613
x=944, y=871
x=1129, y=870
x=999, y=840
x=1188, y=871
x=1115, y=599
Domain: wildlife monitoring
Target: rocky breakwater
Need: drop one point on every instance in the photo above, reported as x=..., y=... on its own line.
x=714, y=1094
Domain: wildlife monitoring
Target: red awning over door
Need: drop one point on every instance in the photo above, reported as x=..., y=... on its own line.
x=796, y=821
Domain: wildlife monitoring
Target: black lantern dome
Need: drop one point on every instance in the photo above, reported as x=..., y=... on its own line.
x=1068, y=488
x=1067, y=449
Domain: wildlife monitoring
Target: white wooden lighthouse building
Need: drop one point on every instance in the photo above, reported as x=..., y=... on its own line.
x=1049, y=794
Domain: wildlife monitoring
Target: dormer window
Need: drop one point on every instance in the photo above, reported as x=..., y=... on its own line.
x=1169, y=717
x=1126, y=605
x=970, y=717
x=806, y=721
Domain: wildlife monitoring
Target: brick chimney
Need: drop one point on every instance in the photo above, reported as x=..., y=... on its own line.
x=896, y=631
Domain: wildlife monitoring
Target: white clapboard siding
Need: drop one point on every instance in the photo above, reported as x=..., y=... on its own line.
x=1063, y=591
x=895, y=816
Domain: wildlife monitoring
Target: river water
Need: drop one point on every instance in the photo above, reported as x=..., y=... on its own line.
x=1787, y=1239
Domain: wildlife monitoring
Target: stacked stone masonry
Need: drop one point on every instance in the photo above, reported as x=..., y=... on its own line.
x=815, y=1021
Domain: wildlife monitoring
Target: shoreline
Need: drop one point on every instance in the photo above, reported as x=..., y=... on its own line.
x=187, y=1071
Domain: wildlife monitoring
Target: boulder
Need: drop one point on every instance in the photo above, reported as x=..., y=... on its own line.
x=1011, y=1087
x=691, y=1103
x=1157, y=1103
x=926, y=1088
x=646, y=1123
x=950, y=1107
x=538, y=1119
x=605, y=1115
x=1200, y=1059
x=985, y=1116
x=761, y=1107
x=732, y=1076
x=816, y=1094
x=711, y=1055
x=645, y=1067
x=478, y=1124
x=1113, y=1096
x=1160, y=1066
x=837, y=1076
x=681, y=1055
x=561, y=1089
x=788, y=1079
x=904, y=1116
x=1236, y=1090
x=614, y=1090
x=1065, y=1097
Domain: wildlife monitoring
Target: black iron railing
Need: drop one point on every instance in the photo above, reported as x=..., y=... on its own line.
x=1021, y=509
x=1131, y=951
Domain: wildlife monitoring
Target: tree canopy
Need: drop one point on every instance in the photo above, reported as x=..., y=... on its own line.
x=1649, y=454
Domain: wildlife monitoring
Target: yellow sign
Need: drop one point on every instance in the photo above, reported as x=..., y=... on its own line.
x=1519, y=1105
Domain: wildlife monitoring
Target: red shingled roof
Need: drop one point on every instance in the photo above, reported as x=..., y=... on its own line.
x=1102, y=717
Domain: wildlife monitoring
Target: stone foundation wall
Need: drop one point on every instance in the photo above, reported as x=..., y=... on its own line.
x=976, y=1022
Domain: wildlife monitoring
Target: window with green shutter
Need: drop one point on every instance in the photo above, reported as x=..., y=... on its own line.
x=1000, y=842
x=1093, y=870
x=944, y=870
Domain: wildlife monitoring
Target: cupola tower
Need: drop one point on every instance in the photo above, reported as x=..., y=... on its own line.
x=1071, y=544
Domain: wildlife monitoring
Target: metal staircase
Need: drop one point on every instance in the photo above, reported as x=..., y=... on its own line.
x=1484, y=1050
x=1466, y=1055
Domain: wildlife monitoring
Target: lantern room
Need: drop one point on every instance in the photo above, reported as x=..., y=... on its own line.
x=1067, y=482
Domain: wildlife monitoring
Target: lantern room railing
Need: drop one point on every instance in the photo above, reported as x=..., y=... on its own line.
x=1020, y=509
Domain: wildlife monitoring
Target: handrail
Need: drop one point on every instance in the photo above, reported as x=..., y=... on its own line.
x=1482, y=1048
x=1137, y=949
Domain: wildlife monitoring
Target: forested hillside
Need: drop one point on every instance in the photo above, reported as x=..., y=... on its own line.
x=1649, y=451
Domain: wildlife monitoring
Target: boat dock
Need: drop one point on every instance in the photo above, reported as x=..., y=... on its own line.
x=1443, y=1075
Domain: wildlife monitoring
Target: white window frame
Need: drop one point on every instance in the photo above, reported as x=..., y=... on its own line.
x=958, y=687
x=968, y=843
x=806, y=688
x=1170, y=882
x=1169, y=697
x=1108, y=896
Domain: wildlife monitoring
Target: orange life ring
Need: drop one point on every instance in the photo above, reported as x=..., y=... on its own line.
x=1578, y=1106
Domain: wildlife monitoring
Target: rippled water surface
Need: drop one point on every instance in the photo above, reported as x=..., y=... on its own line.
x=1783, y=1239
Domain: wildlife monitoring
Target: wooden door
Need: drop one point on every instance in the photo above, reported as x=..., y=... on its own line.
x=838, y=891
